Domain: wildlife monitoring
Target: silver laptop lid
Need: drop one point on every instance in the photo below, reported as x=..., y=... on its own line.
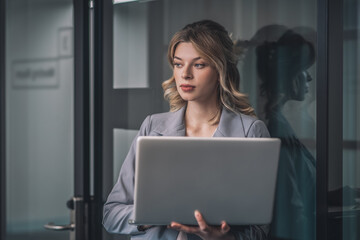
x=231, y=179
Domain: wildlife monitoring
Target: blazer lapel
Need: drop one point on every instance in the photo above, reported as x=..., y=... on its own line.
x=230, y=125
x=173, y=125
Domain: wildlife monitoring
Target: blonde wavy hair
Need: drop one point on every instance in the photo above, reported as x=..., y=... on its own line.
x=213, y=43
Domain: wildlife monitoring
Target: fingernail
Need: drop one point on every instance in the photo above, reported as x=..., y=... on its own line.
x=197, y=213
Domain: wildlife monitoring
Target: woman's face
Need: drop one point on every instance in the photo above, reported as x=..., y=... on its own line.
x=301, y=85
x=196, y=80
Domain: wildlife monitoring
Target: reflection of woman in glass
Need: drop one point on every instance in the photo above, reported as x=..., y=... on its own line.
x=282, y=67
x=204, y=101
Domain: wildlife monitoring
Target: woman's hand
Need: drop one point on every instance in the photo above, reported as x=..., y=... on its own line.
x=205, y=231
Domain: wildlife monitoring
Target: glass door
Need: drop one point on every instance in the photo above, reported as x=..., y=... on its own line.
x=134, y=37
x=45, y=115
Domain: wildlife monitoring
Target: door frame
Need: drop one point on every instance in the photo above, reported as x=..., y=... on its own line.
x=82, y=101
x=100, y=8
x=329, y=108
x=83, y=209
x=2, y=123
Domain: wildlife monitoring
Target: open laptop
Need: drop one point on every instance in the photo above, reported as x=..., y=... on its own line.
x=231, y=179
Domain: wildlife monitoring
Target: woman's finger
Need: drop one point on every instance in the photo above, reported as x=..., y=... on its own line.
x=225, y=228
x=184, y=228
x=202, y=224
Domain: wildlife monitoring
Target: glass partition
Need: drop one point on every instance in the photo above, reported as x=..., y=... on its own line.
x=351, y=118
x=39, y=117
x=279, y=35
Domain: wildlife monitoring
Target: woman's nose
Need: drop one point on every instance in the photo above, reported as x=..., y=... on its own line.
x=186, y=73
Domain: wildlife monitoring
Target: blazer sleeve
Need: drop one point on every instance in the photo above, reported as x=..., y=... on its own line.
x=118, y=208
x=258, y=129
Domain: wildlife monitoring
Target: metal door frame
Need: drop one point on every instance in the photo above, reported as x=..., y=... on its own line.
x=82, y=120
x=329, y=108
x=2, y=123
x=100, y=8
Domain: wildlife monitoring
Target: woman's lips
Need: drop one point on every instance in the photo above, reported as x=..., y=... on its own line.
x=187, y=88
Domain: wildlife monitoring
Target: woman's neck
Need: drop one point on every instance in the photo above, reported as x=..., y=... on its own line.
x=197, y=119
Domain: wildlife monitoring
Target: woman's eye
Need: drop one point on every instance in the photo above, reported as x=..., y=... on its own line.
x=177, y=65
x=199, y=65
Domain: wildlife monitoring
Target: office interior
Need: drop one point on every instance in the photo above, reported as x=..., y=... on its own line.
x=78, y=78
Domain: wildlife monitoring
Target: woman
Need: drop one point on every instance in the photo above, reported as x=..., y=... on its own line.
x=204, y=101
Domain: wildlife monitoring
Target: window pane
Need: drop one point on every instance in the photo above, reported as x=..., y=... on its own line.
x=275, y=41
x=39, y=117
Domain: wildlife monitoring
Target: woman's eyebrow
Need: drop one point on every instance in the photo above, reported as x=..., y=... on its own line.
x=197, y=58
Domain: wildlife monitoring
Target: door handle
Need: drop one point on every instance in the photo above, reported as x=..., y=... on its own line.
x=52, y=226
x=68, y=227
x=76, y=226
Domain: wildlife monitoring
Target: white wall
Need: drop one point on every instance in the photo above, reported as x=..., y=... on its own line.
x=131, y=39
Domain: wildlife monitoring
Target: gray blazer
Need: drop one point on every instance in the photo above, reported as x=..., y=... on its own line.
x=118, y=208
